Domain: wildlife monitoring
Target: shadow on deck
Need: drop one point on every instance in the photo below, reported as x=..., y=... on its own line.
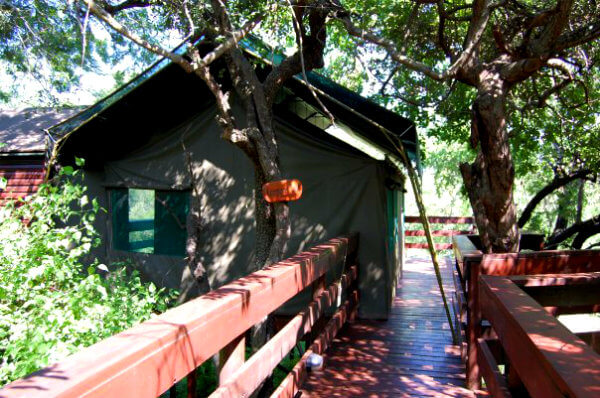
x=409, y=355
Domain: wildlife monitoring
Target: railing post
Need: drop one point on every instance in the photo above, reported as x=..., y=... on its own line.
x=353, y=289
x=191, y=385
x=318, y=287
x=473, y=325
x=231, y=358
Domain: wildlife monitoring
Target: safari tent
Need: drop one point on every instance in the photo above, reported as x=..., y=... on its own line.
x=146, y=144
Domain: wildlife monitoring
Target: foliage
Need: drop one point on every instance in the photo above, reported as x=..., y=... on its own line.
x=553, y=115
x=48, y=45
x=51, y=304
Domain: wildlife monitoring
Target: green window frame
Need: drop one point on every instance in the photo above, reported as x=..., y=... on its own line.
x=149, y=221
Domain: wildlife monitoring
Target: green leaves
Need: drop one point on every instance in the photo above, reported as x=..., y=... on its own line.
x=51, y=304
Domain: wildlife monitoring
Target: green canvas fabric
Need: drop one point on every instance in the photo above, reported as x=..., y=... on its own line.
x=119, y=200
x=170, y=213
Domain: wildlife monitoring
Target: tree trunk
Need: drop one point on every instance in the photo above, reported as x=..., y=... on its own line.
x=194, y=247
x=489, y=180
x=265, y=221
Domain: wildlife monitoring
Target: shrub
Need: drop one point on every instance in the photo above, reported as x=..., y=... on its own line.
x=51, y=304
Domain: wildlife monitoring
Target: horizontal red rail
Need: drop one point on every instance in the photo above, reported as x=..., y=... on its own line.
x=438, y=246
x=549, y=359
x=438, y=232
x=148, y=359
x=441, y=220
x=444, y=232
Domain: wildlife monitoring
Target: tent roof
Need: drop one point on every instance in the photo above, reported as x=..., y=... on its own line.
x=165, y=95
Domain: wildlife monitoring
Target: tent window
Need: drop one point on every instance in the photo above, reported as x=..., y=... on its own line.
x=149, y=221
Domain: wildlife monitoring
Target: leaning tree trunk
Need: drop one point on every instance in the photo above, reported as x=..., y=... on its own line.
x=489, y=180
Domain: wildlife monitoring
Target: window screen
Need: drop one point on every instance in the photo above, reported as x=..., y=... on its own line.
x=149, y=221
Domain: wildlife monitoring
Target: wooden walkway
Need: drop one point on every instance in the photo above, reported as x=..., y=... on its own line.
x=409, y=355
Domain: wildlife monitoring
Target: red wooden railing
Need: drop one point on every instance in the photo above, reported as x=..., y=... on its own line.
x=541, y=354
x=149, y=359
x=472, y=264
x=436, y=221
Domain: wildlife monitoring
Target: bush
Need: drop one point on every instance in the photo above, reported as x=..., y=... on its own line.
x=51, y=304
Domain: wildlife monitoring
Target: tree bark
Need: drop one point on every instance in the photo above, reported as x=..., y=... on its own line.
x=489, y=180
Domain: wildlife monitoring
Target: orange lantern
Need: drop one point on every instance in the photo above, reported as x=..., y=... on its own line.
x=282, y=191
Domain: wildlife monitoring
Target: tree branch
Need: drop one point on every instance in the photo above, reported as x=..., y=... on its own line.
x=107, y=18
x=125, y=5
x=579, y=36
x=481, y=15
x=442, y=41
x=554, y=25
x=308, y=57
x=556, y=183
x=584, y=230
x=197, y=63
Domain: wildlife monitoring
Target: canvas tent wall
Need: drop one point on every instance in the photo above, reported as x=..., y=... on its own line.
x=137, y=141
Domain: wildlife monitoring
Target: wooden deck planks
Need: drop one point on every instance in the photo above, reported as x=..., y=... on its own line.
x=409, y=355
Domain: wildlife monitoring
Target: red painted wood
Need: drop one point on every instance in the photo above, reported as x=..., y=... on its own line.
x=290, y=386
x=21, y=181
x=148, y=359
x=409, y=355
x=583, y=278
x=418, y=232
x=438, y=246
x=248, y=377
x=24, y=189
x=35, y=166
x=21, y=173
x=549, y=359
x=438, y=233
x=12, y=195
x=231, y=358
x=545, y=262
x=494, y=380
x=440, y=220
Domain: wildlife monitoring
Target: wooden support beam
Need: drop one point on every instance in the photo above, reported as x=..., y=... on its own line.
x=565, y=296
x=494, y=380
x=191, y=385
x=231, y=358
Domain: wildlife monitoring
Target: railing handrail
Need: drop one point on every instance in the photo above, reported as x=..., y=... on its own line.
x=550, y=360
x=441, y=219
x=149, y=358
x=446, y=220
